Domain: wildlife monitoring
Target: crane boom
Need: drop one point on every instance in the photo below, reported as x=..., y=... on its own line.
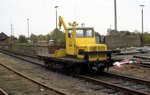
x=61, y=22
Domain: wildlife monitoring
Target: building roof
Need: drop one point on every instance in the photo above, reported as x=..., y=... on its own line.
x=3, y=36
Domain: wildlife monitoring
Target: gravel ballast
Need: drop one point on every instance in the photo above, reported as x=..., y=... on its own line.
x=67, y=84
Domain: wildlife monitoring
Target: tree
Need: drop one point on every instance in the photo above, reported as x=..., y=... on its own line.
x=33, y=38
x=146, y=38
x=97, y=34
x=22, y=39
x=58, y=37
x=48, y=36
x=40, y=37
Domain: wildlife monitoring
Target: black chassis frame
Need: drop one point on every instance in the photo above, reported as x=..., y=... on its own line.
x=67, y=63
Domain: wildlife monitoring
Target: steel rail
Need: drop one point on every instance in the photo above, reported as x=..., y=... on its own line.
x=31, y=56
x=142, y=57
x=2, y=92
x=143, y=81
x=35, y=81
x=14, y=55
x=99, y=82
x=111, y=86
x=143, y=64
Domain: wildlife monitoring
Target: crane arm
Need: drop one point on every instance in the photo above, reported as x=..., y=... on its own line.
x=61, y=22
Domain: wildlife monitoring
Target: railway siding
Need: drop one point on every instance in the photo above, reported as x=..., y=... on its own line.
x=2, y=92
x=126, y=89
x=18, y=83
x=108, y=84
x=63, y=83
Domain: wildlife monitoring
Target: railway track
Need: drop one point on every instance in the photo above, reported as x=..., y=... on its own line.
x=145, y=61
x=108, y=84
x=112, y=85
x=34, y=81
x=128, y=78
x=22, y=57
x=17, y=53
x=126, y=84
x=2, y=92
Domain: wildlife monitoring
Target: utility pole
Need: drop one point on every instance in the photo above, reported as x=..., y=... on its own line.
x=11, y=35
x=28, y=27
x=11, y=28
x=56, y=15
x=142, y=25
x=55, y=40
x=115, y=15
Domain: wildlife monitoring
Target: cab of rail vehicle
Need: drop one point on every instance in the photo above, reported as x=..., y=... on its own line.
x=80, y=40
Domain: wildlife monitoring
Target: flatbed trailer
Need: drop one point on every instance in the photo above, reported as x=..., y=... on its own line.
x=51, y=57
x=64, y=63
x=73, y=64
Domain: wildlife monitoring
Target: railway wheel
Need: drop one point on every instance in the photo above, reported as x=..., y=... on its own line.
x=46, y=62
x=77, y=69
x=100, y=69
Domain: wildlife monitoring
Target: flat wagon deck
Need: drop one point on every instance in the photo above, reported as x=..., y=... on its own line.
x=63, y=63
x=70, y=64
x=62, y=59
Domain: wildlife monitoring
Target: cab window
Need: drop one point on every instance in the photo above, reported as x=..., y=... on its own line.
x=84, y=33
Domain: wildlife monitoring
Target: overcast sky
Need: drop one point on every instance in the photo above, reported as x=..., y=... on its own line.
x=96, y=13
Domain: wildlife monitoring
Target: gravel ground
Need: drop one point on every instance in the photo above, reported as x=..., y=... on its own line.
x=69, y=85
x=17, y=85
x=132, y=69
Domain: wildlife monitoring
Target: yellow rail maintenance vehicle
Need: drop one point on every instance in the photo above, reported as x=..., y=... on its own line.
x=82, y=53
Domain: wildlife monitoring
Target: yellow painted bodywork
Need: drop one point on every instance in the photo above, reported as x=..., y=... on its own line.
x=75, y=44
x=60, y=53
x=93, y=47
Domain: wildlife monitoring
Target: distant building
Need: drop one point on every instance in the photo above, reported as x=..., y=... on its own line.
x=3, y=38
x=121, y=39
x=42, y=42
x=51, y=42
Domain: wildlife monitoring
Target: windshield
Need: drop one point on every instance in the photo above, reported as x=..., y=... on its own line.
x=84, y=33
